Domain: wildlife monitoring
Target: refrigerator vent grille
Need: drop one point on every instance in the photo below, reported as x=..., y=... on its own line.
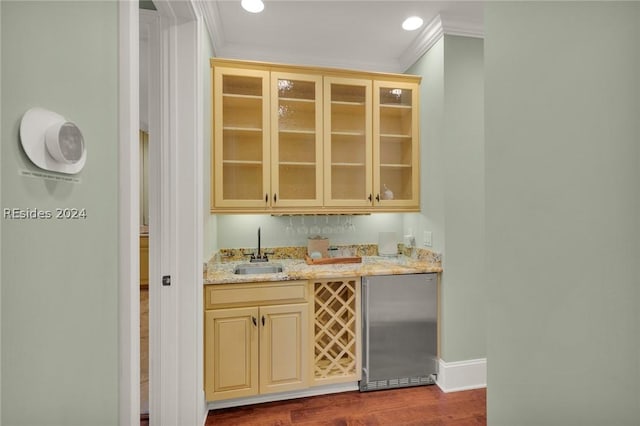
x=399, y=382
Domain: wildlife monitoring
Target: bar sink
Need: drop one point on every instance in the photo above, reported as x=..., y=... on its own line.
x=253, y=268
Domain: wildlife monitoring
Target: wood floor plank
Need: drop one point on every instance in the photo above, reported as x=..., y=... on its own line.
x=418, y=406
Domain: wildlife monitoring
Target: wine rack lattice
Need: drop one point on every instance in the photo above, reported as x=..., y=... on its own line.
x=335, y=329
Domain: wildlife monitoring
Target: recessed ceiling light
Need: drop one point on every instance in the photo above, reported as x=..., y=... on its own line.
x=411, y=23
x=253, y=6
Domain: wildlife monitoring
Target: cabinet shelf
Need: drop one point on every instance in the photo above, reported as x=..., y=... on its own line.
x=395, y=106
x=348, y=164
x=241, y=129
x=298, y=132
x=346, y=103
x=394, y=136
x=348, y=133
x=241, y=163
x=237, y=96
x=301, y=100
x=297, y=163
x=396, y=166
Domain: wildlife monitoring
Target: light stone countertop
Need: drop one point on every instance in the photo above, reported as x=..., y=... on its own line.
x=297, y=269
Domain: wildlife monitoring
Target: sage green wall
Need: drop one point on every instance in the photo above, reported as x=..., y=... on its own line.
x=431, y=218
x=60, y=277
x=452, y=158
x=563, y=213
x=463, y=290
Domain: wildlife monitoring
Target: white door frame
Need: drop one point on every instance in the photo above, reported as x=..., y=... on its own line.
x=175, y=203
x=128, y=215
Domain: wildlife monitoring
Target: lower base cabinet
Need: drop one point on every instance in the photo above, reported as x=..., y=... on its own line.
x=263, y=338
x=231, y=353
x=256, y=350
x=283, y=343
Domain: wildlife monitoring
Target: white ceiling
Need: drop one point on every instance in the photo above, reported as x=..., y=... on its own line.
x=358, y=34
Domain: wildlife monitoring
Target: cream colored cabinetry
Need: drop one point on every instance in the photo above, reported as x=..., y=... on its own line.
x=296, y=140
x=283, y=347
x=396, y=160
x=371, y=144
x=267, y=151
x=256, y=339
x=348, y=142
x=231, y=351
x=336, y=331
x=241, y=162
x=291, y=139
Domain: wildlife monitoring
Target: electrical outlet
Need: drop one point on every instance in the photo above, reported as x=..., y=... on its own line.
x=428, y=240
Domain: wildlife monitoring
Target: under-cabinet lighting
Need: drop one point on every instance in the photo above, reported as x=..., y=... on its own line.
x=253, y=6
x=412, y=23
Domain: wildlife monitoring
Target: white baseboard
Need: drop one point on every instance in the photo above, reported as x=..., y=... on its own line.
x=452, y=377
x=258, y=399
x=462, y=375
x=205, y=412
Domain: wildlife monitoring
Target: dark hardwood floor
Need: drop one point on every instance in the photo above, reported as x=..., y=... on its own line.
x=423, y=405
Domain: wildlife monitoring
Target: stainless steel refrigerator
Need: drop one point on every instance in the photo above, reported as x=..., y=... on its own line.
x=400, y=329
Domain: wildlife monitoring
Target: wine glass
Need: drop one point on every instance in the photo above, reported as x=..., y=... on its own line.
x=289, y=229
x=314, y=229
x=351, y=227
x=302, y=228
x=327, y=229
x=338, y=227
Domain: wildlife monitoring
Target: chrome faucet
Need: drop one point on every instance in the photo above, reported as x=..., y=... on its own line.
x=258, y=256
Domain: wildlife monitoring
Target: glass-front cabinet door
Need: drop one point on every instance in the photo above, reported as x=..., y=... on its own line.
x=241, y=161
x=296, y=140
x=348, y=142
x=291, y=139
x=396, y=144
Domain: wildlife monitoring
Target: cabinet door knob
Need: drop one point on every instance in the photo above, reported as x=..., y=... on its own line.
x=263, y=320
x=370, y=198
x=275, y=198
x=378, y=197
x=255, y=322
x=266, y=198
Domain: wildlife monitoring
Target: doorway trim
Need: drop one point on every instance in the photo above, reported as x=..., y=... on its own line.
x=175, y=248
x=128, y=215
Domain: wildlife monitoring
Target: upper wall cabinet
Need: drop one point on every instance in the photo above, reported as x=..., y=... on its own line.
x=241, y=154
x=296, y=140
x=396, y=173
x=348, y=142
x=289, y=139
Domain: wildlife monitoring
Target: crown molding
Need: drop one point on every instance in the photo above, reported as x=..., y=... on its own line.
x=212, y=21
x=424, y=40
x=242, y=52
x=461, y=27
x=434, y=31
